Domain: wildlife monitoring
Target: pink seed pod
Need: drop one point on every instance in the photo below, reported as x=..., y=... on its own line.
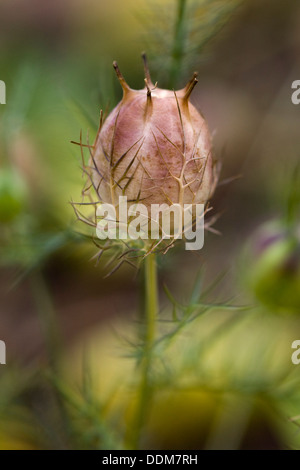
x=154, y=147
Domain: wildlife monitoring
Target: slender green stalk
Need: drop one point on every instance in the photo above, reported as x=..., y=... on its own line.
x=144, y=391
x=47, y=318
x=150, y=291
x=151, y=297
x=178, y=48
x=144, y=396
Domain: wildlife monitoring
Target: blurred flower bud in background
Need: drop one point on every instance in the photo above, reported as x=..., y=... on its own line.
x=273, y=266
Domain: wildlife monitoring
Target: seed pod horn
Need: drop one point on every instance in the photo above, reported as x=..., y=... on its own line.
x=124, y=84
x=187, y=90
x=146, y=71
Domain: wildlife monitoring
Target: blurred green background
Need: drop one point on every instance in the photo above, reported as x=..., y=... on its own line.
x=227, y=381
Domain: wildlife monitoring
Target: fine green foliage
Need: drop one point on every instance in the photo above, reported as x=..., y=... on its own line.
x=210, y=368
x=183, y=32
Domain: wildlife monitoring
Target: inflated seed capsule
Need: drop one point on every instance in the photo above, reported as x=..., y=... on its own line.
x=154, y=147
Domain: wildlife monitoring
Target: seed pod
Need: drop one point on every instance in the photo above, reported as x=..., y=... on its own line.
x=154, y=147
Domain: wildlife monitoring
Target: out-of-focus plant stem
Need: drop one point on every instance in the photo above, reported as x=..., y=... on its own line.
x=47, y=318
x=151, y=291
x=144, y=390
x=151, y=298
x=178, y=48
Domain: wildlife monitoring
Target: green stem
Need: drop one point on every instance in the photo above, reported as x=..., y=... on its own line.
x=47, y=318
x=151, y=298
x=144, y=391
x=178, y=48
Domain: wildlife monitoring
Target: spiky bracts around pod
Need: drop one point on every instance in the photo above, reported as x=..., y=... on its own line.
x=154, y=147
